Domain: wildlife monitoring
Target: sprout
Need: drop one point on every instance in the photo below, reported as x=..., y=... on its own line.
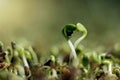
x=109, y=65
x=28, y=55
x=19, y=52
x=101, y=57
x=51, y=62
x=22, y=55
x=67, y=31
x=81, y=28
x=14, y=49
x=34, y=56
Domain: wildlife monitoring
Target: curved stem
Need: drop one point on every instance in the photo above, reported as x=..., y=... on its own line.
x=25, y=61
x=73, y=52
x=79, y=40
x=72, y=49
x=110, y=68
x=81, y=28
x=34, y=56
x=22, y=55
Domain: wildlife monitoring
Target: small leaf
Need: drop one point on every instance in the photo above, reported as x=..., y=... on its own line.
x=68, y=30
x=80, y=27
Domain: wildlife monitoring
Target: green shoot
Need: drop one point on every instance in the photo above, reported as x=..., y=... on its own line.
x=109, y=65
x=28, y=55
x=80, y=28
x=21, y=51
x=67, y=31
x=33, y=54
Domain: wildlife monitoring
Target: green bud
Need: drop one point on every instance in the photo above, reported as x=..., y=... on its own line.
x=68, y=30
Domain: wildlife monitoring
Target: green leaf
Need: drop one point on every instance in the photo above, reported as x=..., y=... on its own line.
x=68, y=30
x=80, y=27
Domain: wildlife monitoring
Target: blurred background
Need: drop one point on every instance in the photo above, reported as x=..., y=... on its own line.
x=40, y=21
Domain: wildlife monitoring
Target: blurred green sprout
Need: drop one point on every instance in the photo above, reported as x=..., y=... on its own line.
x=68, y=31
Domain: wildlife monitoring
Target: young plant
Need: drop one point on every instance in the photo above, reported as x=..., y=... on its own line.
x=109, y=66
x=22, y=55
x=67, y=31
x=82, y=29
x=19, y=52
x=24, y=59
x=51, y=63
x=33, y=55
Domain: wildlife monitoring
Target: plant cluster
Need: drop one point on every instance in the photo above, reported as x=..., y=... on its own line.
x=21, y=62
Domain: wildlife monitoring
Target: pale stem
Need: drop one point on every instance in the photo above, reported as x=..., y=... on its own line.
x=110, y=68
x=80, y=39
x=25, y=61
x=73, y=52
x=72, y=49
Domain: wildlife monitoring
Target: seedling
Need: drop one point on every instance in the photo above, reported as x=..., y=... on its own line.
x=33, y=55
x=22, y=55
x=50, y=65
x=67, y=31
x=109, y=66
x=82, y=29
